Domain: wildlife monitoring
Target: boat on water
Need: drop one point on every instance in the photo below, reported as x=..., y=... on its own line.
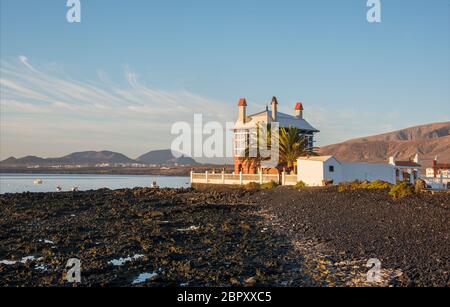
x=38, y=181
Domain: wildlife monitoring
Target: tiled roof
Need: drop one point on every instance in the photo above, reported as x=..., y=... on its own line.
x=284, y=120
x=442, y=166
x=407, y=164
x=316, y=158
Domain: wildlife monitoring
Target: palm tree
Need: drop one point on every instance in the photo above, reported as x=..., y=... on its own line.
x=292, y=144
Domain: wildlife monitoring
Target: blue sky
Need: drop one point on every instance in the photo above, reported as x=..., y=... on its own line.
x=121, y=77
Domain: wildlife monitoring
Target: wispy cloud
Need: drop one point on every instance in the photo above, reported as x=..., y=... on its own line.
x=50, y=101
x=24, y=60
x=45, y=111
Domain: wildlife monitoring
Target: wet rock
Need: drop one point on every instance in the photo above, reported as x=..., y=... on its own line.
x=124, y=237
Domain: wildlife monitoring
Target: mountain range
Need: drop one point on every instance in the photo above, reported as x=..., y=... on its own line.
x=429, y=141
x=91, y=158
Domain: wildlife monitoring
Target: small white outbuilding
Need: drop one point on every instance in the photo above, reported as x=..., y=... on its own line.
x=315, y=171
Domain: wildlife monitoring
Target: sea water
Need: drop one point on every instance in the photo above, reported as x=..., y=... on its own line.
x=18, y=183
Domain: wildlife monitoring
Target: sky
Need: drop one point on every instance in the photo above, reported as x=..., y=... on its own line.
x=120, y=79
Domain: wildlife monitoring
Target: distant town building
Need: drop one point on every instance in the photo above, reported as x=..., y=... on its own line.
x=246, y=125
x=138, y=165
x=33, y=166
x=439, y=170
x=406, y=170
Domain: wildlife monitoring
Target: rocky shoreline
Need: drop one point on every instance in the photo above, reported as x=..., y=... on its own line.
x=224, y=237
x=340, y=232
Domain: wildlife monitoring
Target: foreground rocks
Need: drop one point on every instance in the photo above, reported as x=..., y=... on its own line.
x=142, y=237
x=222, y=237
x=340, y=232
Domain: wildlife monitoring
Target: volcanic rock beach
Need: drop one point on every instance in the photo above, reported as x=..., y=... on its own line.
x=142, y=237
x=340, y=232
x=224, y=237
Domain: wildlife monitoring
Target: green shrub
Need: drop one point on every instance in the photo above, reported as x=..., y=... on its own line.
x=379, y=185
x=342, y=187
x=252, y=186
x=401, y=190
x=364, y=185
x=300, y=185
x=269, y=185
x=349, y=186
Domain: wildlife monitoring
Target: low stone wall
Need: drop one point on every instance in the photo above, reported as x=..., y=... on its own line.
x=241, y=179
x=290, y=180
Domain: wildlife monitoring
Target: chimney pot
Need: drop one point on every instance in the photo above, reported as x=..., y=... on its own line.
x=242, y=105
x=299, y=110
x=392, y=160
x=242, y=102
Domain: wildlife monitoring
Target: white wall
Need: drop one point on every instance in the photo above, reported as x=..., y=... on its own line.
x=314, y=172
x=310, y=172
x=336, y=176
x=368, y=171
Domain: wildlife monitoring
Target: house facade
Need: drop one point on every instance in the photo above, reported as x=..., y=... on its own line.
x=320, y=170
x=247, y=125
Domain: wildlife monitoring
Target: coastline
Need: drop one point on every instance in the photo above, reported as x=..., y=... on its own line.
x=225, y=237
x=179, y=171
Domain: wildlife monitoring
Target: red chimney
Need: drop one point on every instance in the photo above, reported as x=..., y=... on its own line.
x=299, y=110
x=242, y=105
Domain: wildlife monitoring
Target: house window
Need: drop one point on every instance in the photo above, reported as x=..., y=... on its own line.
x=310, y=141
x=240, y=142
x=331, y=168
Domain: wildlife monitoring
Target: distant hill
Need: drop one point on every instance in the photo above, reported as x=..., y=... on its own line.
x=77, y=158
x=165, y=157
x=28, y=160
x=427, y=140
x=92, y=158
